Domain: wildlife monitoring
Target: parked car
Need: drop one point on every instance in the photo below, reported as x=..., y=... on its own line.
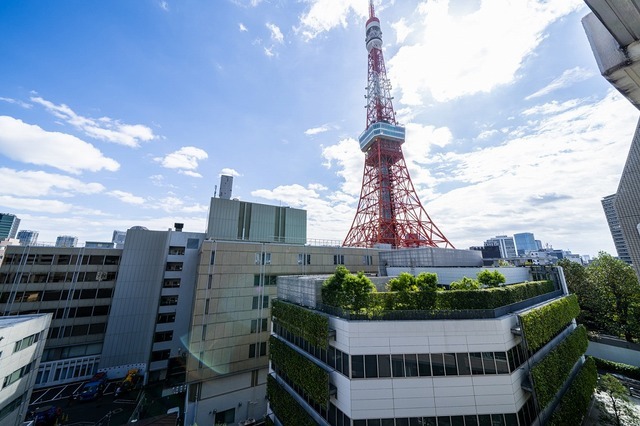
x=46, y=416
x=92, y=389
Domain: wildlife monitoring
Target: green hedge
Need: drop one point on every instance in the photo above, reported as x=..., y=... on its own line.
x=541, y=325
x=551, y=372
x=573, y=405
x=491, y=298
x=285, y=406
x=616, y=367
x=300, y=370
x=310, y=325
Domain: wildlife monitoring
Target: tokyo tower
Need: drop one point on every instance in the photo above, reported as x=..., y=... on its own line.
x=389, y=211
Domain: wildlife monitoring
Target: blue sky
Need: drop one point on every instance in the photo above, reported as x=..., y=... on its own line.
x=123, y=113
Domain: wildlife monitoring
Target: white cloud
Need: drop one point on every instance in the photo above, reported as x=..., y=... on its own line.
x=34, y=204
x=349, y=161
x=324, y=15
x=185, y=159
x=402, y=30
x=172, y=204
x=29, y=183
x=242, y=28
x=292, y=195
x=269, y=51
x=190, y=173
x=104, y=128
x=164, y=6
x=126, y=197
x=229, y=172
x=276, y=33
x=471, y=53
x=316, y=130
x=552, y=107
x=16, y=102
x=569, y=77
x=28, y=143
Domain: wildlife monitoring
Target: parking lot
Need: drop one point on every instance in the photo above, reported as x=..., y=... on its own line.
x=104, y=410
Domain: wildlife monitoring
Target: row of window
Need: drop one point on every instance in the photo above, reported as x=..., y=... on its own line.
x=76, y=330
x=60, y=259
x=18, y=374
x=411, y=365
x=56, y=354
x=56, y=295
x=510, y=419
x=26, y=342
x=77, y=312
x=305, y=259
x=57, y=277
x=268, y=280
x=8, y=409
x=67, y=370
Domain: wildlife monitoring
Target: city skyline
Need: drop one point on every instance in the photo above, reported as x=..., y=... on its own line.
x=116, y=115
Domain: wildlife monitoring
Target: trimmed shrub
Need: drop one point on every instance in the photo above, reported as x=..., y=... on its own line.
x=491, y=279
x=465, y=283
x=285, y=406
x=300, y=370
x=617, y=367
x=542, y=324
x=551, y=372
x=310, y=325
x=346, y=290
x=491, y=298
x=573, y=405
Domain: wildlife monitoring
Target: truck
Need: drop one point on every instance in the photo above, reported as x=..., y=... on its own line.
x=93, y=388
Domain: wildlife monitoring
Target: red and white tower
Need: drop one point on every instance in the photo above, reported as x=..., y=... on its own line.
x=389, y=211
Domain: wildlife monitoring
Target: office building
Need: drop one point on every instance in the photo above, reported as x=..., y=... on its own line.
x=608, y=205
x=118, y=238
x=612, y=31
x=66, y=241
x=9, y=224
x=362, y=370
x=505, y=243
x=525, y=242
x=226, y=186
x=28, y=238
x=22, y=340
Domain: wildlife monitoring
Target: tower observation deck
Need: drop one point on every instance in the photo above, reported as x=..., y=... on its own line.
x=389, y=211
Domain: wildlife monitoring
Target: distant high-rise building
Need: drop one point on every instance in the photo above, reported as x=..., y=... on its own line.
x=539, y=244
x=525, y=242
x=118, y=238
x=8, y=225
x=506, y=244
x=27, y=237
x=608, y=204
x=66, y=241
x=226, y=186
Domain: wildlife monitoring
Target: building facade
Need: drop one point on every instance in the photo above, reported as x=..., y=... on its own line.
x=9, y=224
x=506, y=245
x=21, y=346
x=27, y=237
x=66, y=241
x=360, y=371
x=525, y=242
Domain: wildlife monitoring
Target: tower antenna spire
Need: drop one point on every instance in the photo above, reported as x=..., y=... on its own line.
x=389, y=211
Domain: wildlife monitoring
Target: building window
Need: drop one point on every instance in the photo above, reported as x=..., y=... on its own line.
x=212, y=258
x=160, y=355
x=174, y=266
x=367, y=260
x=171, y=283
x=226, y=417
x=256, y=302
x=176, y=251
x=204, y=332
x=26, y=342
x=17, y=375
x=304, y=259
x=261, y=347
x=268, y=280
x=262, y=324
x=263, y=258
x=206, y=306
x=168, y=300
x=163, y=336
x=193, y=243
x=338, y=259
x=254, y=378
x=165, y=318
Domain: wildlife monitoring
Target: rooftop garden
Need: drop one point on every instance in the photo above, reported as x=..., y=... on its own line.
x=355, y=296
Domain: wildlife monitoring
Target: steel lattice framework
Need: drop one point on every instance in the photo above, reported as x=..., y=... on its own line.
x=389, y=211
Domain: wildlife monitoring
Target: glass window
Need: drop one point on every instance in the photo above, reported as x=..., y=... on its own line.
x=371, y=366
x=411, y=365
x=457, y=421
x=450, y=364
x=470, y=421
x=384, y=366
x=444, y=421
x=511, y=419
x=424, y=365
x=397, y=363
x=437, y=364
x=476, y=363
x=192, y=243
x=357, y=366
x=489, y=363
x=484, y=420
x=497, y=420
x=464, y=368
x=338, y=360
x=501, y=363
